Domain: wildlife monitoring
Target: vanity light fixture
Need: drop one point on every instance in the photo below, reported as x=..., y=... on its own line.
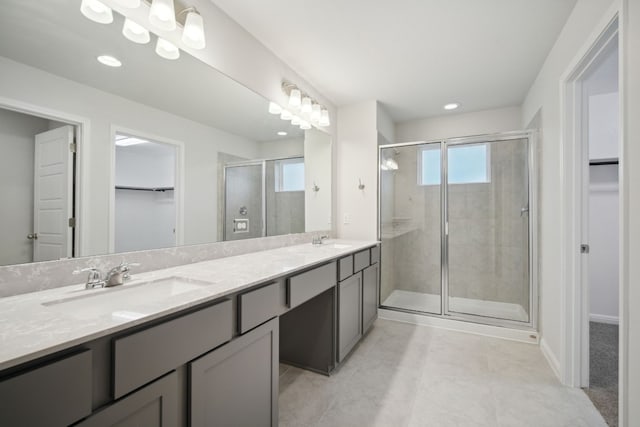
x=166, y=49
x=324, y=118
x=282, y=133
x=135, y=32
x=193, y=32
x=451, y=106
x=305, y=125
x=295, y=121
x=294, y=98
x=286, y=115
x=306, y=105
x=96, y=11
x=316, y=112
x=130, y=4
x=274, y=108
x=163, y=15
x=109, y=61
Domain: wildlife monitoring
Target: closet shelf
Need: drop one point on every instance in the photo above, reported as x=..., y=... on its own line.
x=160, y=189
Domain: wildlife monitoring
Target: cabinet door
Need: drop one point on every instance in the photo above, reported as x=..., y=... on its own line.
x=237, y=384
x=155, y=405
x=369, y=296
x=349, y=314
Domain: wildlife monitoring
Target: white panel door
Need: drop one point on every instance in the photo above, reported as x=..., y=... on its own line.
x=53, y=187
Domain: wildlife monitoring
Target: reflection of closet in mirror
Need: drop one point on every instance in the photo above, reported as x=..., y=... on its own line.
x=145, y=215
x=36, y=188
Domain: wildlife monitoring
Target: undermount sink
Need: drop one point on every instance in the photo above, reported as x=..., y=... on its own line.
x=129, y=301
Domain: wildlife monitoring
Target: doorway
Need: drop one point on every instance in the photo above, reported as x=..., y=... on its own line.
x=37, y=184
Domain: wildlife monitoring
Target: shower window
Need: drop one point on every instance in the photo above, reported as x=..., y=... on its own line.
x=468, y=164
x=289, y=175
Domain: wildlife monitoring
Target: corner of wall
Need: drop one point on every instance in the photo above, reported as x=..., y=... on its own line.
x=552, y=360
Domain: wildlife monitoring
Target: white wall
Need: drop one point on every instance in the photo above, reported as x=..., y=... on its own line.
x=545, y=94
x=463, y=124
x=104, y=112
x=317, y=212
x=603, y=126
x=604, y=242
x=146, y=165
x=630, y=380
x=357, y=145
x=281, y=148
x=17, y=132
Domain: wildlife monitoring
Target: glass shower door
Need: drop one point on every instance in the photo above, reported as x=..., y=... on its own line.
x=488, y=229
x=411, y=227
x=243, y=201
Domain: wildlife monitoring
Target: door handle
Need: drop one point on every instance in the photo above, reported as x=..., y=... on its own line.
x=32, y=236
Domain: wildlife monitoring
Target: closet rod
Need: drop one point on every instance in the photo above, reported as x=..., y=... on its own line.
x=122, y=187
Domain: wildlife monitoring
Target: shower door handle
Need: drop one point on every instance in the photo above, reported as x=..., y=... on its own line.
x=524, y=210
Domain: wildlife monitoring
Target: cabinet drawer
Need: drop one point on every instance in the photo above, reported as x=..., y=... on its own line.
x=146, y=355
x=307, y=285
x=345, y=267
x=375, y=254
x=52, y=395
x=361, y=260
x=258, y=306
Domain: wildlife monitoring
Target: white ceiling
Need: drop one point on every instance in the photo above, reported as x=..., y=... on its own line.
x=412, y=55
x=58, y=39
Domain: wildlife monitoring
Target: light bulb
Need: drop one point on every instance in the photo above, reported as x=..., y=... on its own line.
x=305, y=125
x=324, y=118
x=286, y=115
x=166, y=49
x=96, y=11
x=295, y=120
x=306, y=105
x=135, y=32
x=163, y=15
x=274, y=108
x=316, y=112
x=131, y=4
x=193, y=33
x=294, y=98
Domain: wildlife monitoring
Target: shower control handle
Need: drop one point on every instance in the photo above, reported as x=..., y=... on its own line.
x=524, y=210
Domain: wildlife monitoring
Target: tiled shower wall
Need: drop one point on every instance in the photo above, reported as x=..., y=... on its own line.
x=488, y=239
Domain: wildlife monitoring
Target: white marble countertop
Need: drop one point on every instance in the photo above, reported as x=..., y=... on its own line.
x=33, y=325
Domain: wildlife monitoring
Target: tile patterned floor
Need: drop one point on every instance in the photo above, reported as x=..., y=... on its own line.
x=407, y=375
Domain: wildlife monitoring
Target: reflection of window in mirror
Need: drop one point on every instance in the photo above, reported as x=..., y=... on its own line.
x=37, y=162
x=289, y=175
x=145, y=194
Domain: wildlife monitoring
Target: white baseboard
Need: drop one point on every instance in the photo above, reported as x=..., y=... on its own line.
x=603, y=318
x=552, y=360
x=521, y=335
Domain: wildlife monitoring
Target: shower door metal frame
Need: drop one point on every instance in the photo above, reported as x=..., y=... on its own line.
x=531, y=137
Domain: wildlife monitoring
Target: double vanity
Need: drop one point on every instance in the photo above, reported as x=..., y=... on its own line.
x=198, y=344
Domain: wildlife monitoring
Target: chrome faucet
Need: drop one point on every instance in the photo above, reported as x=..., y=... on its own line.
x=119, y=274
x=317, y=239
x=94, y=280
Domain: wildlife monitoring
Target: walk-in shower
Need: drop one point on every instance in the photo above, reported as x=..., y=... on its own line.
x=457, y=228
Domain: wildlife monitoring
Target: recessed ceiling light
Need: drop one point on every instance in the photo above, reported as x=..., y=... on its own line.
x=282, y=133
x=451, y=106
x=109, y=61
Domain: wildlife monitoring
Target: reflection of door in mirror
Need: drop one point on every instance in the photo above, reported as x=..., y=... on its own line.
x=36, y=186
x=145, y=215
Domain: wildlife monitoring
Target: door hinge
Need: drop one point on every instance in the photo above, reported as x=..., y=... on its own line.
x=73, y=147
x=584, y=249
x=72, y=222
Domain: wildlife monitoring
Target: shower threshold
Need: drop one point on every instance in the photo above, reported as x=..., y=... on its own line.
x=430, y=303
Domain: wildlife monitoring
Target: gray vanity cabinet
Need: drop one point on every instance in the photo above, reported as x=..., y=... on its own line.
x=369, y=296
x=237, y=384
x=349, y=314
x=155, y=405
